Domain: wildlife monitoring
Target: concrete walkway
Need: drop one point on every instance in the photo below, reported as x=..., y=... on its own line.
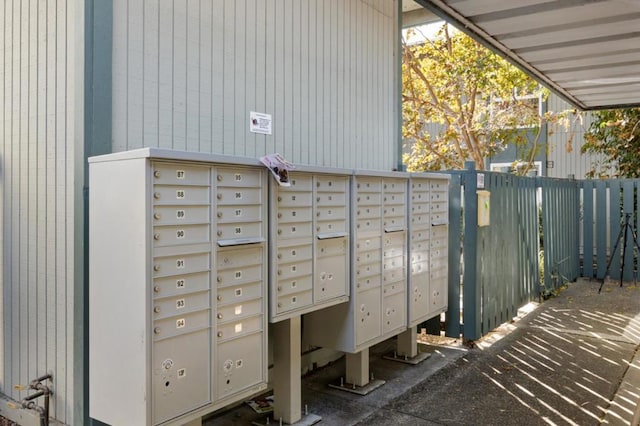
x=572, y=360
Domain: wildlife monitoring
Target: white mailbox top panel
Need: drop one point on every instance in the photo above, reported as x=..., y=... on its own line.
x=170, y=154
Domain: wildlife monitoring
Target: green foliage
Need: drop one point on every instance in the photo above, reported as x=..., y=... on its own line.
x=474, y=97
x=614, y=135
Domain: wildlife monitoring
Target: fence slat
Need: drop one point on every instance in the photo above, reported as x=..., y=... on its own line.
x=587, y=226
x=614, y=224
x=601, y=228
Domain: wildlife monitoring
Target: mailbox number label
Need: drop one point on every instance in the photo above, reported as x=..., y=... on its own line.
x=181, y=323
x=238, y=195
x=180, y=194
x=180, y=283
x=238, y=275
x=180, y=233
x=238, y=328
x=179, y=174
x=238, y=310
x=238, y=212
x=182, y=373
x=180, y=264
x=238, y=177
x=180, y=214
x=180, y=303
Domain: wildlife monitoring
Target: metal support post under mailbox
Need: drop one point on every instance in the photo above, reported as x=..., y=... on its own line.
x=286, y=370
x=472, y=291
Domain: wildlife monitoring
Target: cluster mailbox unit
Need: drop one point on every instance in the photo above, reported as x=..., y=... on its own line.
x=192, y=254
x=309, y=242
x=178, y=306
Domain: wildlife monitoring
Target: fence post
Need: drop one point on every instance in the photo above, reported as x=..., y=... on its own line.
x=471, y=292
x=455, y=231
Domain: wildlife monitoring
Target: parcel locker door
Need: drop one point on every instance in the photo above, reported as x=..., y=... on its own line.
x=394, y=312
x=419, y=295
x=181, y=375
x=331, y=269
x=367, y=306
x=239, y=365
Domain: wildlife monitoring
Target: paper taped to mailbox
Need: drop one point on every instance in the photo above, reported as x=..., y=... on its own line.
x=279, y=168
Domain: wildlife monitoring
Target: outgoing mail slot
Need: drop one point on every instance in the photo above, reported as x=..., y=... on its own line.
x=239, y=365
x=180, y=324
x=239, y=293
x=368, y=199
x=173, y=235
x=231, y=231
x=180, y=215
x=177, y=194
x=292, y=270
x=294, y=214
x=180, y=264
x=239, y=213
x=172, y=306
x=368, y=283
x=239, y=275
x=294, y=285
x=238, y=177
x=238, y=258
x=331, y=183
x=180, y=174
x=330, y=199
x=180, y=284
x=294, y=301
x=239, y=196
x=294, y=198
x=295, y=230
x=237, y=311
x=235, y=329
x=394, y=312
x=294, y=253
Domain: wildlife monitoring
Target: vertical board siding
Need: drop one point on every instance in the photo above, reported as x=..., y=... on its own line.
x=565, y=144
x=187, y=73
x=38, y=123
x=606, y=204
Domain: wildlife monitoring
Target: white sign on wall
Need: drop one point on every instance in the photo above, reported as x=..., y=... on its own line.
x=260, y=123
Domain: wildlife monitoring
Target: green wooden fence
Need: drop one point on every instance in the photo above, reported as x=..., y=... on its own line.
x=496, y=267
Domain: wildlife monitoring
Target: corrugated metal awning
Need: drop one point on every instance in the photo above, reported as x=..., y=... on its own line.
x=588, y=51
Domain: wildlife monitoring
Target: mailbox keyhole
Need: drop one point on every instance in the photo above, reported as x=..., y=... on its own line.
x=167, y=383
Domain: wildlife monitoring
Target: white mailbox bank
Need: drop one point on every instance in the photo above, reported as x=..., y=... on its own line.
x=178, y=294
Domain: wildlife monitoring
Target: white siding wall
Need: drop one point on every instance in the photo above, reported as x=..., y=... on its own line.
x=186, y=74
x=564, y=162
x=40, y=133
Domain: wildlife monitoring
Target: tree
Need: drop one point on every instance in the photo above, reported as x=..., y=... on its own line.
x=614, y=135
x=478, y=102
